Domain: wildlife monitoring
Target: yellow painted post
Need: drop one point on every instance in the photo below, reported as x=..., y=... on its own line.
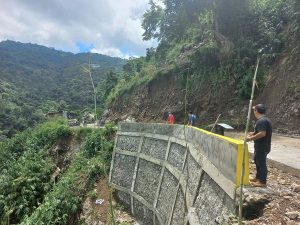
x=239, y=165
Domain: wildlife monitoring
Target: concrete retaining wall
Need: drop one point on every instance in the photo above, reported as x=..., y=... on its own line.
x=168, y=174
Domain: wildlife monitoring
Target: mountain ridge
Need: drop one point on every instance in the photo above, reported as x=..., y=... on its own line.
x=35, y=79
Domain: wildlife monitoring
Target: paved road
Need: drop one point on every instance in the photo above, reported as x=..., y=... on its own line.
x=284, y=149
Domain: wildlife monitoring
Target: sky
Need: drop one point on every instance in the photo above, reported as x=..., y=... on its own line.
x=110, y=27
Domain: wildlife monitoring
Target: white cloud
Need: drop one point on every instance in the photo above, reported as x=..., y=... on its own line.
x=113, y=27
x=108, y=51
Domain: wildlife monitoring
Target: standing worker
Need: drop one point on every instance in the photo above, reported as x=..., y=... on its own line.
x=191, y=119
x=171, y=118
x=262, y=145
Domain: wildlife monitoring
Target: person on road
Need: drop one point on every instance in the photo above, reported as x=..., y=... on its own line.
x=262, y=145
x=191, y=119
x=171, y=118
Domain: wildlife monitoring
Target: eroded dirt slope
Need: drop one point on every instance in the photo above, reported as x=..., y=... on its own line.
x=281, y=95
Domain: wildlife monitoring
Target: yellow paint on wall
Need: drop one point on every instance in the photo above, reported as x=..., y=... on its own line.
x=239, y=161
x=239, y=147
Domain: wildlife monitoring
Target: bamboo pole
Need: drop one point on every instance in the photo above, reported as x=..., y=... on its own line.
x=244, y=145
x=88, y=70
x=215, y=123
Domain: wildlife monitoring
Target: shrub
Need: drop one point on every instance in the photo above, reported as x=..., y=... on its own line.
x=26, y=170
x=62, y=204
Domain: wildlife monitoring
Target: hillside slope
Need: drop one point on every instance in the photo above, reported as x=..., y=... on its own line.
x=35, y=79
x=281, y=95
x=216, y=55
x=282, y=92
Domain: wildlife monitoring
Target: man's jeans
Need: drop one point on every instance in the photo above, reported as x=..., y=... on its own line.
x=260, y=159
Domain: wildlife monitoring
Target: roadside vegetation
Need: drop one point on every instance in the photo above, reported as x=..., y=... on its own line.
x=28, y=194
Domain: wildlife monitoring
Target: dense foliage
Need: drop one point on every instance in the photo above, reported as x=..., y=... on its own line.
x=215, y=42
x=25, y=169
x=35, y=80
x=27, y=193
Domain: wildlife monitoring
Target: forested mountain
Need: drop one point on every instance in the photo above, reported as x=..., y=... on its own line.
x=35, y=80
x=207, y=53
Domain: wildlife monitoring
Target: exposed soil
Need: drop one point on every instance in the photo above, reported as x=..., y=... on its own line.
x=96, y=206
x=282, y=92
x=102, y=193
x=99, y=213
x=281, y=95
x=284, y=183
x=151, y=102
x=284, y=202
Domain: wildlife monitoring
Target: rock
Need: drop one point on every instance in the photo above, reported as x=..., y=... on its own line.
x=124, y=117
x=296, y=188
x=55, y=174
x=286, y=193
x=231, y=112
x=292, y=215
x=283, y=182
x=98, y=223
x=130, y=119
x=248, y=199
x=287, y=197
x=3, y=137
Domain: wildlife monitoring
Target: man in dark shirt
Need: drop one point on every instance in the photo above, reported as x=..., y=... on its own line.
x=262, y=144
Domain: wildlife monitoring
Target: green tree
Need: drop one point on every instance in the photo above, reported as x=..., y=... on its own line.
x=152, y=20
x=111, y=81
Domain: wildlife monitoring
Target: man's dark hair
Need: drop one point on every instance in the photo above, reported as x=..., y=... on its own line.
x=191, y=112
x=260, y=108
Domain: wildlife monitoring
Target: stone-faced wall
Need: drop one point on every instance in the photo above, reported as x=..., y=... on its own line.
x=171, y=174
